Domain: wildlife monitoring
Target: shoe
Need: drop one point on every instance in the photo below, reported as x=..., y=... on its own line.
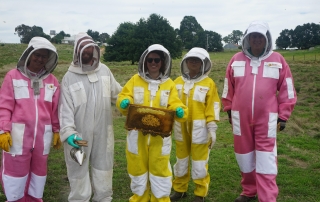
x=198, y=199
x=176, y=196
x=243, y=198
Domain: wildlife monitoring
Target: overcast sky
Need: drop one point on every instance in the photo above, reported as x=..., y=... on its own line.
x=221, y=16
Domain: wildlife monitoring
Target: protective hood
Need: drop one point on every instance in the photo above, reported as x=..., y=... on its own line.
x=205, y=67
x=77, y=65
x=166, y=60
x=262, y=28
x=37, y=43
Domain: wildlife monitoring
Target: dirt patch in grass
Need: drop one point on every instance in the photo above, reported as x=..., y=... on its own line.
x=296, y=162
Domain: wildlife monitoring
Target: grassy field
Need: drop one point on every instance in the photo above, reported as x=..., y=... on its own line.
x=298, y=144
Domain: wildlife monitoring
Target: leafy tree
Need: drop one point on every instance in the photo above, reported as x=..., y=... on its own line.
x=306, y=36
x=209, y=40
x=94, y=35
x=163, y=33
x=103, y=37
x=120, y=44
x=234, y=37
x=189, y=31
x=177, y=32
x=58, y=38
x=26, y=33
x=130, y=40
x=214, y=41
x=284, y=40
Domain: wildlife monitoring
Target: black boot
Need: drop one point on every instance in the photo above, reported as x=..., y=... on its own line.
x=198, y=199
x=243, y=198
x=176, y=196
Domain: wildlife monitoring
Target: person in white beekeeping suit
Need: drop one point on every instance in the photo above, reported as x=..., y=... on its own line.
x=195, y=138
x=259, y=97
x=87, y=91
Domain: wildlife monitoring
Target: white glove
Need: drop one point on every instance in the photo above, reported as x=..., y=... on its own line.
x=212, y=137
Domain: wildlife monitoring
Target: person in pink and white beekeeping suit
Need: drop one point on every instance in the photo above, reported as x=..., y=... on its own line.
x=29, y=99
x=259, y=97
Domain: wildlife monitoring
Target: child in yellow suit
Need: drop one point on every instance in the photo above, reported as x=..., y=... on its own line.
x=195, y=138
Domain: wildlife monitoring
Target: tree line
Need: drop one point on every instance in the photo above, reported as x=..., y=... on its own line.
x=130, y=39
x=302, y=37
x=26, y=33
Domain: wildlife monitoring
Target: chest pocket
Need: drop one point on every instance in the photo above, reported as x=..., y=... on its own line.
x=78, y=94
x=21, y=89
x=238, y=68
x=138, y=95
x=200, y=93
x=49, y=91
x=164, y=98
x=179, y=89
x=271, y=69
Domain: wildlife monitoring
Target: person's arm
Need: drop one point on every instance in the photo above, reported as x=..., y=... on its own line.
x=125, y=94
x=287, y=96
x=212, y=104
x=7, y=104
x=66, y=112
x=115, y=88
x=228, y=88
x=228, y=91
x=55, y=118
x=212, y=112
x=55, y=105
x=174, y=103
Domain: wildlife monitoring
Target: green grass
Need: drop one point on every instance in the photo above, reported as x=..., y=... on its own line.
x=298, y=144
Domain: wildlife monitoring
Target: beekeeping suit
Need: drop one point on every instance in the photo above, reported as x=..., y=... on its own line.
x=258, y=91
x=29, y=112
x=193, y=137
x=148, y=156
x=87, y=92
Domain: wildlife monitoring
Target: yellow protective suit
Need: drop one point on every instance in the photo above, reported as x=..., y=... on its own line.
x=192, y=137
x=148, y=156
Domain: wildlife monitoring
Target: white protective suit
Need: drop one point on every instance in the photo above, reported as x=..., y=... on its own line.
x=85, y=110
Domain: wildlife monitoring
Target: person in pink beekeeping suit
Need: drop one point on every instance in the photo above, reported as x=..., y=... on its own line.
x=29, y=98
x=259, y=97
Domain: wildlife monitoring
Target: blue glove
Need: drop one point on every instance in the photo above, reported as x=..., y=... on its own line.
x=124, y=103
x=71, y=140
x=179, y=112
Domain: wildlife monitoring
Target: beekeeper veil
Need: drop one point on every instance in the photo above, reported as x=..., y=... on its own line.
x=206, y=65
x=83, y=41
x=165, y=58
x=262, y=28
x=35, y=44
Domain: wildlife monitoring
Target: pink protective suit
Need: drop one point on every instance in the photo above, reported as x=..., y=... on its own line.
x=29, y=111
x=258, y=91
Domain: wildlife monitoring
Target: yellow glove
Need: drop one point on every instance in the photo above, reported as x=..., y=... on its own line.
x=56, y=141
x=5, y=141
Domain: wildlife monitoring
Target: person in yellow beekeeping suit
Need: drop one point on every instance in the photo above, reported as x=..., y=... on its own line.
x=148, y=156
x=195, y=138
